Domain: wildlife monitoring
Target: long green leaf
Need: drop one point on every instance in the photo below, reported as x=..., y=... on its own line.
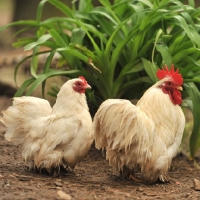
x=158, y=34
x=40, y=41
x=195, y=136
x=22, y=61
x=166, y=55
x=46, y=70
x=62, y=7
x=57, y=38
x=30, y=23
x=144, y=79
x=23, y=87
x=185, y=52
x=39, y=10
x=75, y=52
x=190, y=30
x=104, y=12
x=174, y=46
x=85, y=5
x=77, y=36
x=43, y=77
x=131, y=68
x=34, y=62
x=150, y=70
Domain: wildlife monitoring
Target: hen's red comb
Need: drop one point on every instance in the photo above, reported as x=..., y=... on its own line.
x=83, y=79
x=162, y=73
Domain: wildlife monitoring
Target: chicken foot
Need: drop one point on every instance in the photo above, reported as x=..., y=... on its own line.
x=163, y=178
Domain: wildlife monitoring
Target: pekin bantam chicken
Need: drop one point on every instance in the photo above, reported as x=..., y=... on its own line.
x=143, y=137
x=51, y=137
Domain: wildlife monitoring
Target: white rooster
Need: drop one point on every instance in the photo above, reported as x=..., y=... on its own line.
x=146, y=136
x=51, y=137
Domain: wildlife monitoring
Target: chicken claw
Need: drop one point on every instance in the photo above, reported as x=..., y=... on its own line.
x=163, y=178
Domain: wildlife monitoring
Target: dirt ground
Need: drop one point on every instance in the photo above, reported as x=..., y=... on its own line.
x=91, y=179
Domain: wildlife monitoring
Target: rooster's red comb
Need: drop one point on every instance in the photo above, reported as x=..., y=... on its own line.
x=83, y=79
x=164, y=72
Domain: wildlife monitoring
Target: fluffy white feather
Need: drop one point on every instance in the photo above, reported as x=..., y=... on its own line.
x=51, y=137
x=144, y=137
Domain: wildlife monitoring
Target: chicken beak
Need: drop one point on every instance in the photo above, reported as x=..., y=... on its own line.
x=87, y=86
x=179, y=88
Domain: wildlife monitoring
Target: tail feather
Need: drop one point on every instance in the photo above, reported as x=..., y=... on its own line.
x=12, y=120
x=25, y=121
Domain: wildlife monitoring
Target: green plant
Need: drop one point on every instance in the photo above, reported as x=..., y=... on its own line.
x=118, y=48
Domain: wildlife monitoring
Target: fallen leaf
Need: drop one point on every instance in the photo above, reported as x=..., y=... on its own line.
x=178, y=183
x=63, y=195
x=196, y=184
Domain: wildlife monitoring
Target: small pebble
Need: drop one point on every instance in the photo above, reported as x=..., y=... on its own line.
x=59, y=184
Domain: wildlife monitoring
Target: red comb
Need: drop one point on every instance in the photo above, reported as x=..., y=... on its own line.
x=83, y=79
x=162, y=73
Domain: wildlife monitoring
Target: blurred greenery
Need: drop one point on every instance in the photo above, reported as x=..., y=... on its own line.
x=118, y=48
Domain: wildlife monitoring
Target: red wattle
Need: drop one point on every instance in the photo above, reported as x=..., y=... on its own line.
x=175, y=95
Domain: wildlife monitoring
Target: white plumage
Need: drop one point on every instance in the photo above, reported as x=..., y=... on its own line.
x=144, y=137
x=51, y=137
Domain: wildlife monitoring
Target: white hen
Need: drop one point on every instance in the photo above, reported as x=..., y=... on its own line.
x=144, y=137
x=51, y=137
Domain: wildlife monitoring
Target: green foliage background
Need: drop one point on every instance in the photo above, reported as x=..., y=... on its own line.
x=118, y=48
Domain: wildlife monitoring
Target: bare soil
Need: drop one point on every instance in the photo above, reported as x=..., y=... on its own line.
x=91, y=179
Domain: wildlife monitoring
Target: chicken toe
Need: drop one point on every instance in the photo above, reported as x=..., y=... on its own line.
x=163, y=178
